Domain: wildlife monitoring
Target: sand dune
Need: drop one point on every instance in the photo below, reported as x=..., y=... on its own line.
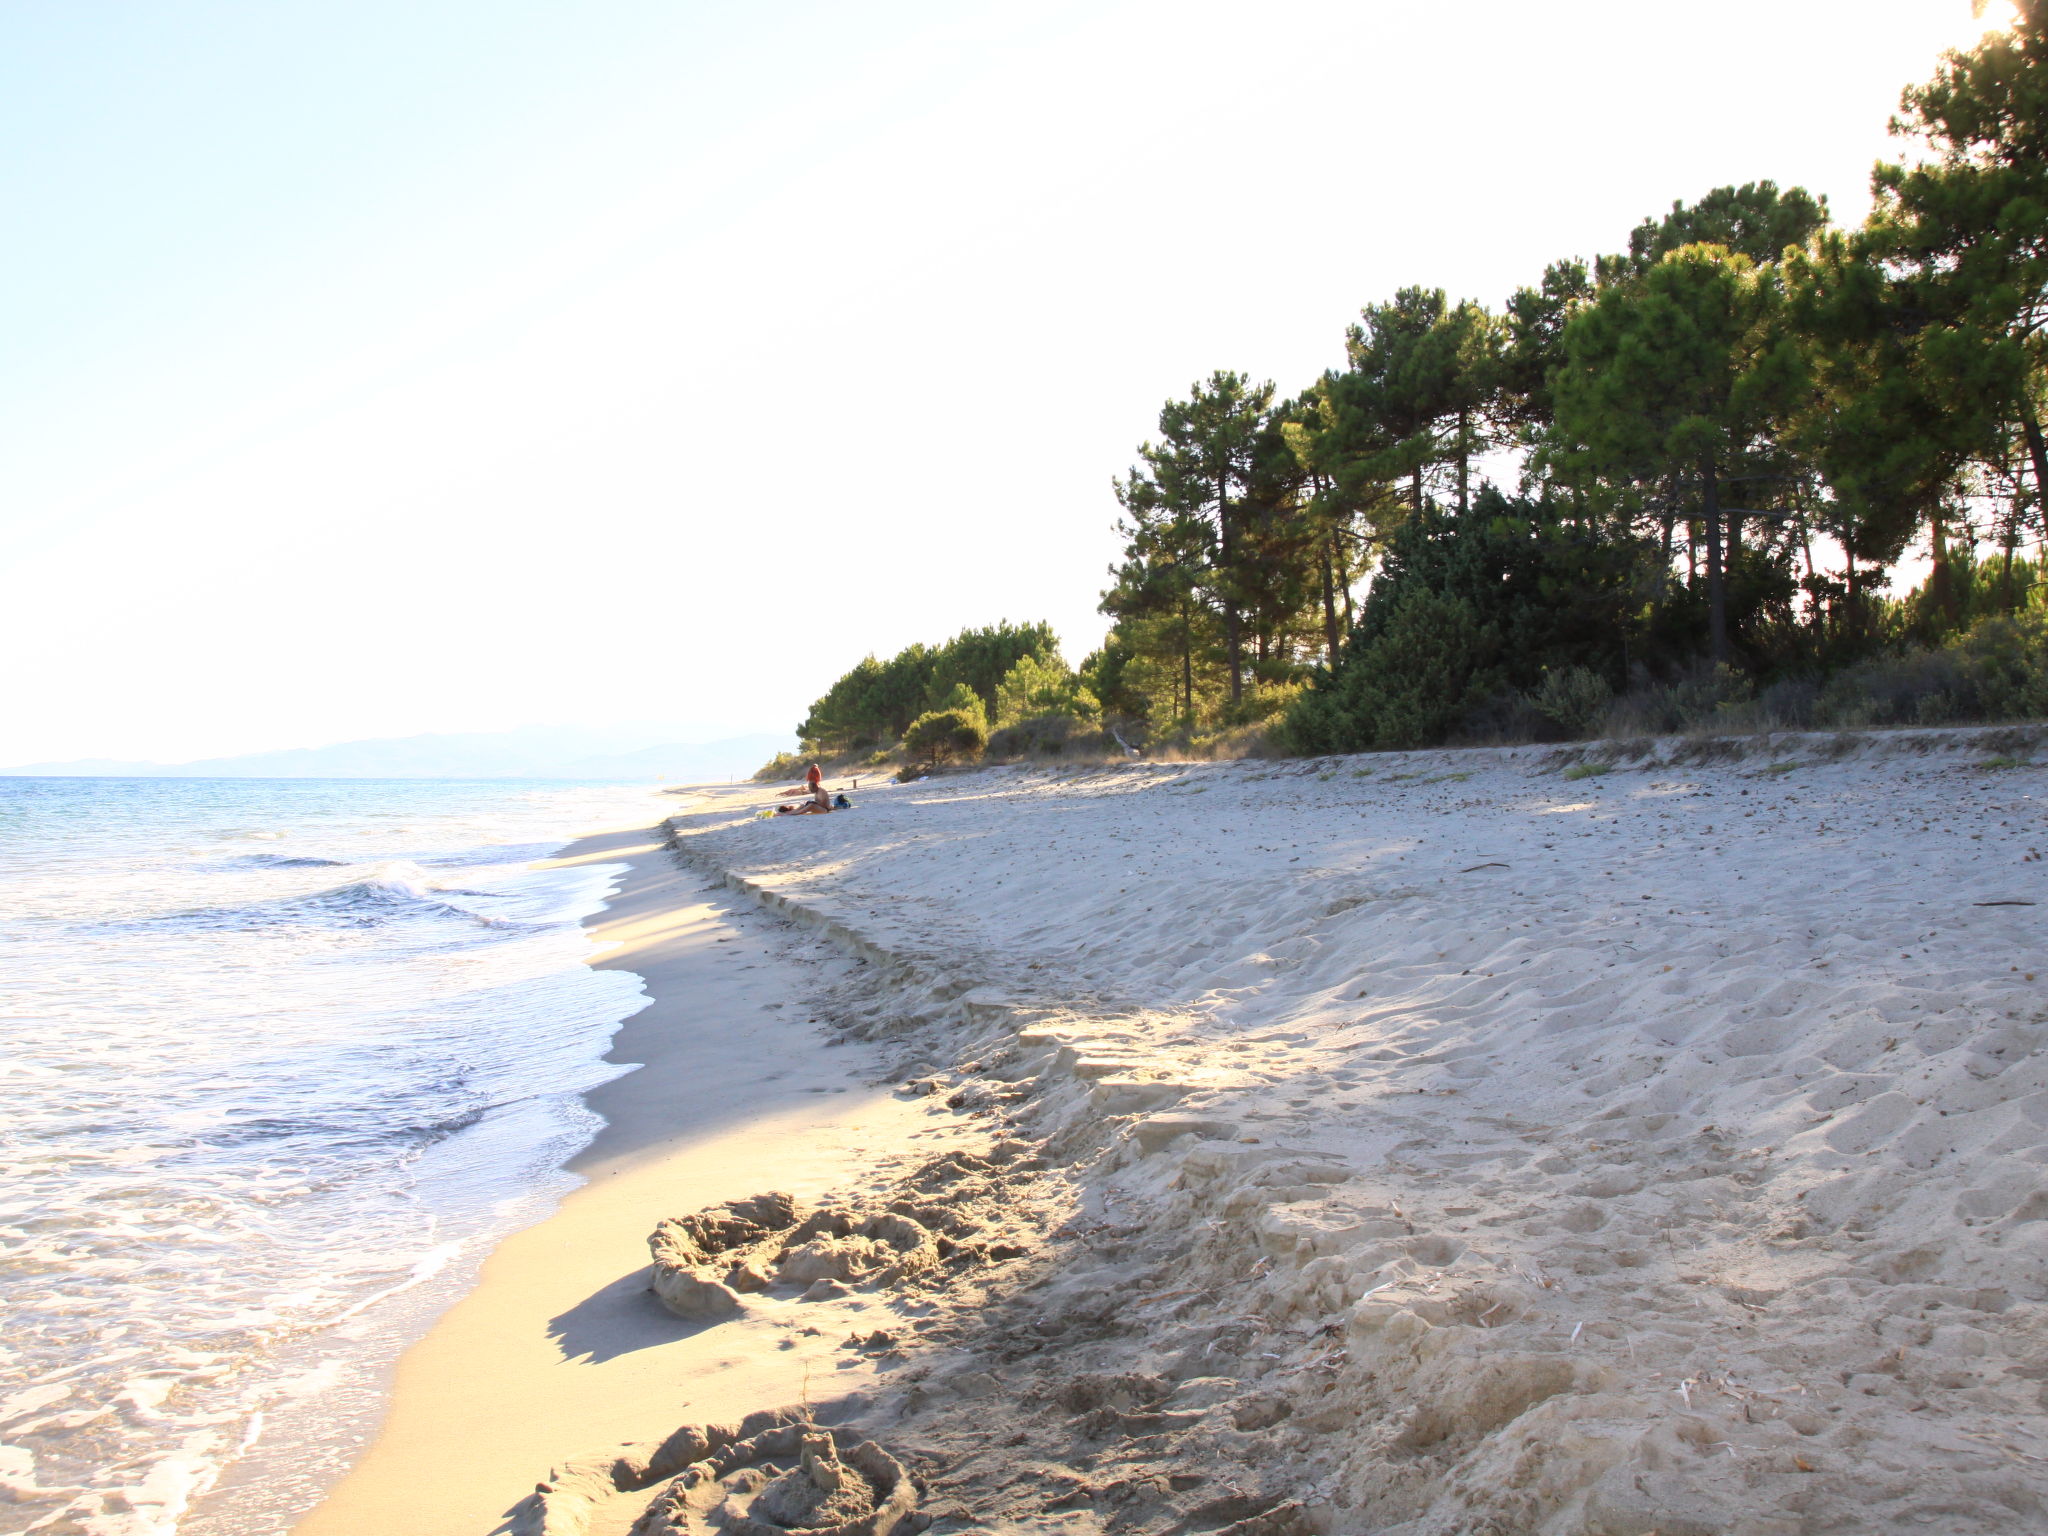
x=1482, y=1148
x=1510, y=1141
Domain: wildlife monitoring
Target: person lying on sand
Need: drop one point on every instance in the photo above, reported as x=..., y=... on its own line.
x=812, y=779
x=819, y=804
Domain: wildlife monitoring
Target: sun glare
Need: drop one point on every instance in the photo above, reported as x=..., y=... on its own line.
x=1995, y=16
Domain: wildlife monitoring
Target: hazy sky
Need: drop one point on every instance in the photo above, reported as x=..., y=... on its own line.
x=384, y=368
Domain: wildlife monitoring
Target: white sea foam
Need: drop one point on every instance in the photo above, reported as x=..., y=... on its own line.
x=264, y=1114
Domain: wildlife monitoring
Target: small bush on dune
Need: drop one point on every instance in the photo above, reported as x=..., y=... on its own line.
x=1039, y=687
x=783, y=765
x=1573, y=699
x=1917, y=688
x=1234, y=743
x=1704, y=698
x=1503, y=717
x=1262, y=702
x=958, y=730
x=2007, y=662
x=1791, y=704
x=1053, y=735
x=1997, y=670
x=1409, y=686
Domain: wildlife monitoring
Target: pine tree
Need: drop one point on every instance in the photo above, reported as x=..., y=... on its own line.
x=1757, y=221
x=1532, y=343
x=1887, y=422
x=1683, y=375
x=1969, y=227
x=1192, y=492
x=1345, y=509
x=1155, y=594
x=1420, y=389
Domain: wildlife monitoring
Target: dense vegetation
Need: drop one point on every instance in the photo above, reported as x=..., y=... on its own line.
x=1724, y=439
x=1005, y=687
x=1721, y=443
x=874, y=704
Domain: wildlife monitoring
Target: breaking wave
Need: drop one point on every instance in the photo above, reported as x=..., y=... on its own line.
x=278, y=861
x=392, y=893
x=266, y=1112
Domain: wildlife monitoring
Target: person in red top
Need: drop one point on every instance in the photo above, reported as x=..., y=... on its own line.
x=812, y=778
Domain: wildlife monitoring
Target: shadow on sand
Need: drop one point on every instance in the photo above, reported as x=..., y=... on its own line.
x=616, y=1320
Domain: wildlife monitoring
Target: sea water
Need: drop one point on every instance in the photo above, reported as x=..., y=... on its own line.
x=279, y=1061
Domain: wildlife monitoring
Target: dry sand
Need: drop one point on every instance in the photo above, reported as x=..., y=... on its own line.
x=1424, y=1143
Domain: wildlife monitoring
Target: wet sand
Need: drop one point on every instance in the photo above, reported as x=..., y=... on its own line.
x=560, y=1349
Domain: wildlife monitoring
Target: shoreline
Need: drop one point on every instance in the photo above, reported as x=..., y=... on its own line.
x=1586, y=1142
x=558, y=1349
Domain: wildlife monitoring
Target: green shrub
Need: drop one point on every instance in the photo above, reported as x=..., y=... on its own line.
x=1420, y=674
x=1408, y=687
x=1050, y=736
x=1573, y=699
x=960, y=699
x=1996, y=670
x=1588, y=770
x=783, y=765
x=874, y=703
x=2006, y=661
x=942, y=735
x=1233, y=743
x=1040, y=686
x=1704, y=697
x=1262, y=701
x=1467, y=614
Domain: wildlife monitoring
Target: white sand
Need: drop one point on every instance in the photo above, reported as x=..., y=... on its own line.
x=1656, y=1151
x=1425, y=1144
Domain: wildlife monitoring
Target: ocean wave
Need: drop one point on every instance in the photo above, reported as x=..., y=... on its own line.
x=278, y=861
x=266, y=1108
x=396, y=893
x=358, y=1126
x=491, y=853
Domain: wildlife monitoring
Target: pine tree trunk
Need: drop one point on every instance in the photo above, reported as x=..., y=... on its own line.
x=1855, y=616
x=1343, y=560
x=2037, y=450
x=1231, y=638
x=1464, y=462
x=1330, y=600
x=1187, y=664
x=1415, y=489
x=1717, y=576
x=1941, y=586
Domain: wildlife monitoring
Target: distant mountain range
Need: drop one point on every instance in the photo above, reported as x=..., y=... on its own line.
x=531, y=752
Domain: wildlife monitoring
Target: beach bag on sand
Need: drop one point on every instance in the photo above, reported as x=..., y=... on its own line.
x=841, y=803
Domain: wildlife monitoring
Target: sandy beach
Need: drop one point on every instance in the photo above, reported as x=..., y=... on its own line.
x=559, y=1348
x=1514, y=1140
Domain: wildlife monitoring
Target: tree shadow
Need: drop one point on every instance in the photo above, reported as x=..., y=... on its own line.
x=616, y=1320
